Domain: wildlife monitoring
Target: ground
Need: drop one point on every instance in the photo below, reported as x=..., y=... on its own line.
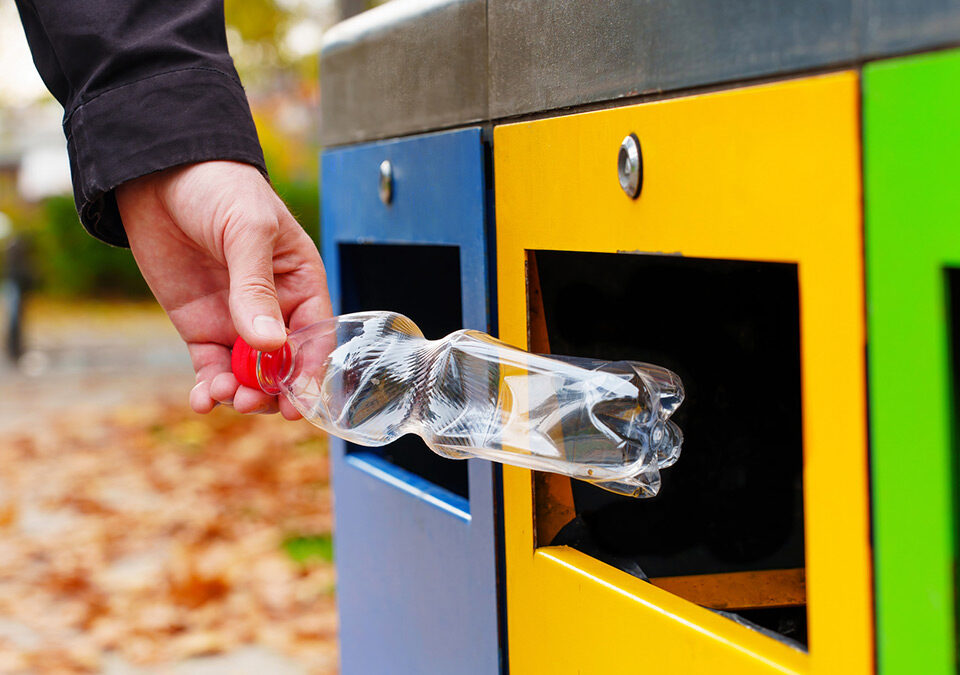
x=138, y=537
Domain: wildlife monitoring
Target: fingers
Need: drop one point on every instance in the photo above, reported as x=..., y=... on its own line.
x=217, y=384
x=250, y=401
x=310, y=311
x=209, y=360
x=248, y=250
x=288, y=411
x=225, y=389
x=302, y=282
x=200, y=399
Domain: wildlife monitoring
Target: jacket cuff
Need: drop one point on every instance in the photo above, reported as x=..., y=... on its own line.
x=169, y=119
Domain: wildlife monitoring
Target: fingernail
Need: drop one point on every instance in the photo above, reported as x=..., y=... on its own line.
x=269, y=328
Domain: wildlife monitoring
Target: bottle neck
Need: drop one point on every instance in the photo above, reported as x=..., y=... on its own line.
x=273, y=368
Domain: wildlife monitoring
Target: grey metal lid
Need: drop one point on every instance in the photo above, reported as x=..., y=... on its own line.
x=418, y=65
x=556, y=53
x=895, y=26
x=403, y=67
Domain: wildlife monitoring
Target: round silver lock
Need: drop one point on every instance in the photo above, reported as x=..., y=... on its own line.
x=386, y=181
x=630, y=166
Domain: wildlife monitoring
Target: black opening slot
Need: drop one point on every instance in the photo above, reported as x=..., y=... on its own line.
x=731, y=331
x=422, y=283
x=953, y=335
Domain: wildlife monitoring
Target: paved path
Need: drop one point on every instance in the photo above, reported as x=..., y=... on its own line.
x=91, y=358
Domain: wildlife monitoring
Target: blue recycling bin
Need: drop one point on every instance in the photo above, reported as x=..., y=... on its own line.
x=406, y=228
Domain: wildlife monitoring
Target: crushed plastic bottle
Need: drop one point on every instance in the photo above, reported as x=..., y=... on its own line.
x=371, y=377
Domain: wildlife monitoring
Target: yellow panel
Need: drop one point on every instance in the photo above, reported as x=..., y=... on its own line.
x=766, y=173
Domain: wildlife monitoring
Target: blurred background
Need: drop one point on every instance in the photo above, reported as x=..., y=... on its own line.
x=136, y=536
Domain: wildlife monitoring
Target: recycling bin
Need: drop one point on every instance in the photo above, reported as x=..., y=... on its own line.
x=911, y=152
x=729, y=250
x=732, y=253
x=405, y=228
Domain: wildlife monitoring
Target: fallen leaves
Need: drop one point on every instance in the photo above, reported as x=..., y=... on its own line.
x=156, y=535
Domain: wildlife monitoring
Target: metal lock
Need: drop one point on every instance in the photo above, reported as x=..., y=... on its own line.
x=630, y=166
x=386, y=182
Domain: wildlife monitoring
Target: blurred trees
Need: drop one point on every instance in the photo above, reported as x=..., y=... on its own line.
x=275, y=45
x=72, y=263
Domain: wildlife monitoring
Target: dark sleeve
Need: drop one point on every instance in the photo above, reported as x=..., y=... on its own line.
x=145, y=85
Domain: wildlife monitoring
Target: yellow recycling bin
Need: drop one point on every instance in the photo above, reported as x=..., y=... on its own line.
x=740, y=259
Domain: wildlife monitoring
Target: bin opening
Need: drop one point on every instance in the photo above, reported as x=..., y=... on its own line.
x=423, y=283
x=952, y=279
x=726, y=530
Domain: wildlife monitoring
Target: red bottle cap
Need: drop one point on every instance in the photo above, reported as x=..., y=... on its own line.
x=273, y=366
x=243, y=362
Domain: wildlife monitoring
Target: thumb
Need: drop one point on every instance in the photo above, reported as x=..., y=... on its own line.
x=253, y=296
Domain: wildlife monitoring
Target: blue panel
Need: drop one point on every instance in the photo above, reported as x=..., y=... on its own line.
x=416, y=564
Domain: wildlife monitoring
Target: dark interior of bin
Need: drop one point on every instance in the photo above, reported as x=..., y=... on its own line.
x=731, y=330
x=953, y=298
x=422, y=283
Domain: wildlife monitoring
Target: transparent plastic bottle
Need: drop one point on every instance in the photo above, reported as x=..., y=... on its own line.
x=372, y=377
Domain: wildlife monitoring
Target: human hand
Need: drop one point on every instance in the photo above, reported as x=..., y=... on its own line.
x=224, y=256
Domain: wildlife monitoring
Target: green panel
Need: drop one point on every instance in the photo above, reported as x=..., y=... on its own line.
x=911, y=109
